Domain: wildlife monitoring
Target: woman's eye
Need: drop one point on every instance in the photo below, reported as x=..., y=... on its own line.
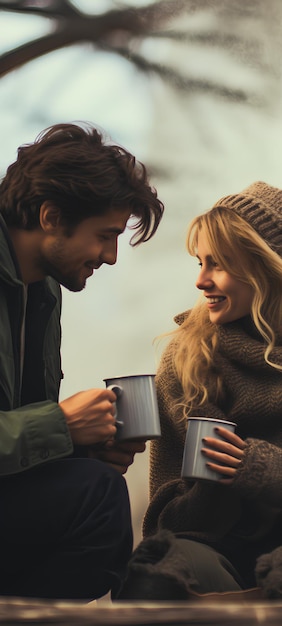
x=217, y=266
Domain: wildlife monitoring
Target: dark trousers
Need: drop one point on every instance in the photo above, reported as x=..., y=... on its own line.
x=65, y=530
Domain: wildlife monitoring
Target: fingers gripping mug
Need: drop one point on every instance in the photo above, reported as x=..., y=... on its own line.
x=194, y=463
x=137, y=414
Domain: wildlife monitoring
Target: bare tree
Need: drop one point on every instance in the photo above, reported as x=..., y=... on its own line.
x=124, y=29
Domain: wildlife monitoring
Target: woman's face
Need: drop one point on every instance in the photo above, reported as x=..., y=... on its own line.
x=228, y=299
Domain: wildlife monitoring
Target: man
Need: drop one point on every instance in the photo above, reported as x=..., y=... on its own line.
x=65, y=522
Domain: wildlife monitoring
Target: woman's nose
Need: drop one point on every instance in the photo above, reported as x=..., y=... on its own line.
x=204, y=280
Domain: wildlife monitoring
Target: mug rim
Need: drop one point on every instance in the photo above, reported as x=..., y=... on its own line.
x=210, y=419
x=128, y=376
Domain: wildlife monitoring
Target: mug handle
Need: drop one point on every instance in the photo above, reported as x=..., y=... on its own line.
x=118, y=391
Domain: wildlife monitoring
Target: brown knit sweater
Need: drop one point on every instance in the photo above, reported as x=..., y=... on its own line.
x=249, y=511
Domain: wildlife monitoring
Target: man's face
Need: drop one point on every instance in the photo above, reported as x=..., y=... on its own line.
x=72, y=259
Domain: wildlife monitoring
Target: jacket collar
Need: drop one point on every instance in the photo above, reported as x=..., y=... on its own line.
x=9, y=267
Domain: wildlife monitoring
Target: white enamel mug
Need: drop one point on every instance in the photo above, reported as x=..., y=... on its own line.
x=137, y=414
x=194, y=462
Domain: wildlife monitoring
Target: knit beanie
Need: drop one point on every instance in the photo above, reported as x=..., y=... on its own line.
x=261, y=206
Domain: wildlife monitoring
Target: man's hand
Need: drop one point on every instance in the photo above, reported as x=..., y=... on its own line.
x=90, y=416
x=118, y=454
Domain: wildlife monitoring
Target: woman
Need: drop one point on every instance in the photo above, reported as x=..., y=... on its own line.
x=224, y=361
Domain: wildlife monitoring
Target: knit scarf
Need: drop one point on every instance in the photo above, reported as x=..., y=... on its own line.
x=252, y=387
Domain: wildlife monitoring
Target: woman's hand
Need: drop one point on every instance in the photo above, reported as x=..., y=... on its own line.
x=224, y=455
x=118, y=454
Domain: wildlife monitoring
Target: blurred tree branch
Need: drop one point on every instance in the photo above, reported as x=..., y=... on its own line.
x=70, y=26
x=123, y=31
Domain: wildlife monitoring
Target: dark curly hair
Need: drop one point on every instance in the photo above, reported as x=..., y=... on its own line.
x=75, y=167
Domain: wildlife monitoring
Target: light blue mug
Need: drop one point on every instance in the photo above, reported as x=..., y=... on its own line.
x=137, y=414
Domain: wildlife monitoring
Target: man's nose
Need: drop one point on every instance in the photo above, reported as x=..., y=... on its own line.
x=109, y=256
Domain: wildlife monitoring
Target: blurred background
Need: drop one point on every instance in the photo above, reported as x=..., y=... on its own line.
x=193, y=89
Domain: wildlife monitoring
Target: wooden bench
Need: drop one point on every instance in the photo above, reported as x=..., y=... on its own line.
x=16, y=611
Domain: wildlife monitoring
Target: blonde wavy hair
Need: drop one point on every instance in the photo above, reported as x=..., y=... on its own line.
x=251, y=261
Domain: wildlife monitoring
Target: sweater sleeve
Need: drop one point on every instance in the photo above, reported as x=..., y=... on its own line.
x=259, y=476
x=31, y=435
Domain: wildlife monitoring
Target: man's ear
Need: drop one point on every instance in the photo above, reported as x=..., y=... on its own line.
x=49, y=217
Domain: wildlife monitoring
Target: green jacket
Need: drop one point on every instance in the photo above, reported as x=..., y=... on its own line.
x=33, y=429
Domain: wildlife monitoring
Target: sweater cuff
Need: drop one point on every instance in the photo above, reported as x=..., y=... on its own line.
x=260, y=472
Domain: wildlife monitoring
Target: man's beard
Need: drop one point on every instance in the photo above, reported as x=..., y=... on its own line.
x=70, y=281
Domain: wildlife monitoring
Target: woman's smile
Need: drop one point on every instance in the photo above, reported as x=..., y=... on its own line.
x=228, y=298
